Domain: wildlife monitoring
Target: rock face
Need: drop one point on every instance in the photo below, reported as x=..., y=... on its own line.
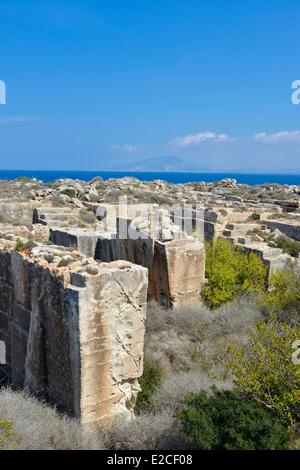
x=175, y=261
x=80, y=239
x=72, y=338
x=292, y=230
x=176, y=267
x=178, y=272
x=20, y=213
x=273, y=258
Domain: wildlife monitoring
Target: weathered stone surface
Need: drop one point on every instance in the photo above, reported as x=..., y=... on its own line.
x=273, y=258
x=20, y=213
x=78, y=344
x=112, y=345
x=134, y=241
x=82, y=240
x=178, y=272
x=291, y=229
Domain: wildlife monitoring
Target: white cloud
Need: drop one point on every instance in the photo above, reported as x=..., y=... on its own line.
x=126, y=148
x=278, y=137
x=196, y=139
x=16, y=119
x=263, y=137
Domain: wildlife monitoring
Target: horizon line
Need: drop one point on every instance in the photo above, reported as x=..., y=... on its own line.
x=223, y=172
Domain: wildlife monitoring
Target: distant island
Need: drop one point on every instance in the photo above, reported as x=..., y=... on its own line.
x=176, y=164
x=166, y=163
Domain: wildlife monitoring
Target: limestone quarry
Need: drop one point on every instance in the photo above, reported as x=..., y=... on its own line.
x=74, y=289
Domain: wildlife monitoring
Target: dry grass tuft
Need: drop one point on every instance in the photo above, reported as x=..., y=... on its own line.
x=194, y=337
x=39, y=427
x=147, y=432
x=177, y=386
x=190, y=344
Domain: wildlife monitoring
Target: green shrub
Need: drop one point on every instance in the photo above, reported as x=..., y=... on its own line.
x=255, y=216
x=283, y=298
x=264, y=370
x=287, y=245
x=24, y=179
x=230, y=271
x=222, y=421
x=19, y=245
x=69, y=192
x=149, y=382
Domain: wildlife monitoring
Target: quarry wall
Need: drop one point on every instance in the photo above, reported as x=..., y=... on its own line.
x=176, y=266
x=72, y=338
x=291, y=230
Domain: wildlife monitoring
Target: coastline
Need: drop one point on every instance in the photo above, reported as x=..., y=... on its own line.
x=250, y=179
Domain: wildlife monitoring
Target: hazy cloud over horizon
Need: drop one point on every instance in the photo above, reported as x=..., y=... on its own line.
x=262, y=137
x=196, y=139
x=278, y=137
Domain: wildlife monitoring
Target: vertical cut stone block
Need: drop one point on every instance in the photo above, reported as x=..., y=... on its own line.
x=82, y=240
x=78, y=345
x=179, y=272
x=112, y=312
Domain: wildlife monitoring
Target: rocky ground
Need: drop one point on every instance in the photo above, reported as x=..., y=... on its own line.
x=72, y=203
x=56, y=226
x=264, y=218
x=78, y=193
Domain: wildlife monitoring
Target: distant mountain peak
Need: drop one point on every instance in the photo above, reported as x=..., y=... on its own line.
x=164, y=163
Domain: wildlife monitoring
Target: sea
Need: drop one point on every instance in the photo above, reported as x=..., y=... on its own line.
x=251, y=179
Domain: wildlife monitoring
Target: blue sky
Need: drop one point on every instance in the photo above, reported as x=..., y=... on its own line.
x=93, y=83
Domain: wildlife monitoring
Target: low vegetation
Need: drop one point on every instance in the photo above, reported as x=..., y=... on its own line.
x=201, y=368
x=29, y=424
x=69, y=192
x=264, y=370
x=289, y=246
x=87, y=218
x=226, y=378
x=149, y=382
x=283, y=297
x=7, y=437
x=190, y=346
x=222, y=421
x=57, y=200
x=231, y=272
x=255, y=216
x=19, y=245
